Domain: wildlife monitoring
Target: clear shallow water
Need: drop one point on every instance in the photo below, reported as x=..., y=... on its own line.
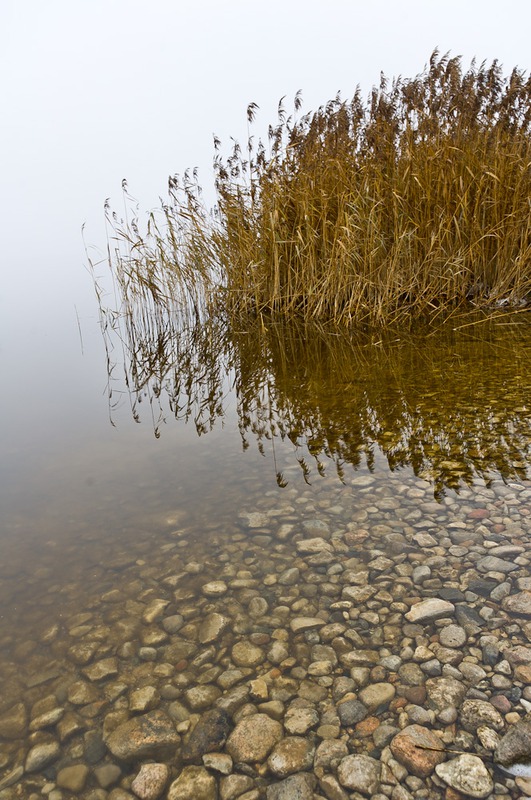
x=293, y=425
x=273, y=409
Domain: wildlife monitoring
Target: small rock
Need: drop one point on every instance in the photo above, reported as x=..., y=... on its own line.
x=41, y=755
x=151, y=735
x=351, y=712
x=296, y=787
x=377, y=696
x=360, y=773
x=452, y=636
x=215, y=588
x=444, y=692
x=289, y=577
x=102, y=670
x=253, y=738
x=193, y=782
x=430, y=609
x=235, y=785
x=212, y=627
x=299, y=721
x=466, y=774
x=515, y=746
x=200, y=697
x=151, y=781
x=290, y=755
x=73, y=778
x=107, y=775
x=299, y=624
x=315, y=545
x=209, y=734
x=143, y=699
x=518, y=604
x=219, y=762
x=495, y=564
x=331, y=788
x=474, y=713
x=245, y=654
x=418, y=749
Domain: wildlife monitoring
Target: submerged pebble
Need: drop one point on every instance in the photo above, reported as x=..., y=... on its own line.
x=345, y=643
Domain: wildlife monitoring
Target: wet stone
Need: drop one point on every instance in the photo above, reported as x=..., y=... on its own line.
x=41, y=755
x=234, y=786
x=290, y=755
x=151, y=735
x=331, y=789
x=515, y=746
x=452, y=636
x=474, y=713
x=377, y=696
x=107, y=775
x=199, y=698
x=102, y=670
x=144, y=699
x=245, y=654
x=289, y=577
x=295, y=787
x=301, y=624
x=444, y=691
x=360, y=773
x=253, y=738
x=193, y=782
x=466, y=774
x=212, y=628
x=315, y=545
x=518, y=604
x=219, y=762
x=151, y=781
x=431, y=609
x=81, y=693
x=351, y=712
x=173, y=624
x=298, y=721
x=418, y=749
x=93, y=746
x=73, y=778
x=214, y=588
x=209, y=734
x=495, y=564
x=469, y=619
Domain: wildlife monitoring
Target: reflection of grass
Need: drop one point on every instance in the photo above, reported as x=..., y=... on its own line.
x=452, y=406
x=407, y=205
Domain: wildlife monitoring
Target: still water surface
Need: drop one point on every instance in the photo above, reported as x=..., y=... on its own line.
x=158, y=450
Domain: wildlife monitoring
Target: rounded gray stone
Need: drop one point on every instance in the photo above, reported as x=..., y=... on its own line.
x=360, y=773
x=453, y=636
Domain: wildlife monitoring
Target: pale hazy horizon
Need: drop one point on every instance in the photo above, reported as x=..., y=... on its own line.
x=101, y=91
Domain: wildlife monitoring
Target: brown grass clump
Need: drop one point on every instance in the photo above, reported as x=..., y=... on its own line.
x=410, y=204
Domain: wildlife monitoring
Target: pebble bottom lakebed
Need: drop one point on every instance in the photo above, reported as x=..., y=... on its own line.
x=343, y=642
x=349, y=639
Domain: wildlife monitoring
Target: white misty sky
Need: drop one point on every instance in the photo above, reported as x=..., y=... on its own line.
x=97, y=90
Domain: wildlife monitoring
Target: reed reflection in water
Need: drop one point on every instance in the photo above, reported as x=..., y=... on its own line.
x=452, y=404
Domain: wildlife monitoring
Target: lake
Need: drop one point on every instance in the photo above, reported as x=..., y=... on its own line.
x=271, y=562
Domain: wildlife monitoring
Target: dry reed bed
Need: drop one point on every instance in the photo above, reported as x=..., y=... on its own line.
x=410, y=204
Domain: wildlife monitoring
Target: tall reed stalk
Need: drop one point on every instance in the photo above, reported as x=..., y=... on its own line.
x=409, y=204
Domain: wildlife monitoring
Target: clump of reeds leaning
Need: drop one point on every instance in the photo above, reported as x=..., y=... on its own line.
x=412, y=203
